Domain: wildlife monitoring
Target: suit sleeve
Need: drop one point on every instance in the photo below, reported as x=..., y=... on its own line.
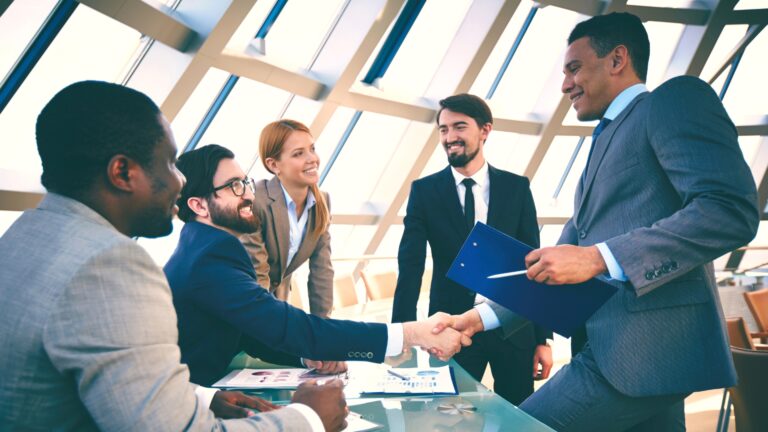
x=254, y=245
x=696, y=145
x=226, y=288
x=410, y=259
x=128, y=373
x=320, y=282
x=257, y=349
x=568, y=235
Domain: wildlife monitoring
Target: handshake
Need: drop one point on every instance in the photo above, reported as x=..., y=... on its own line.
x=441, y=334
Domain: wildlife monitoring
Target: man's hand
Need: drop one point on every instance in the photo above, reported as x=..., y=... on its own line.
x=564, y=264
x=542, y=356
x=467, y=323
x=232, y=404
x=326, y=367
x=326, y=400
x=444, y=344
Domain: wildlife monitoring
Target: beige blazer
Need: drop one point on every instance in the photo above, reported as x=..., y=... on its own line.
x=268, y=248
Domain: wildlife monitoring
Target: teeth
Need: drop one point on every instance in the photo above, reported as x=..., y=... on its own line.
x=247, y=210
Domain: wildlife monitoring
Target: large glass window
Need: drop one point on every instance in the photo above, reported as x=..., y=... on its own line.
x=18, y=25
x=90, y=46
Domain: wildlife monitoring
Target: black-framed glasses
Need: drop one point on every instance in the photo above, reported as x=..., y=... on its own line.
x=238, y=186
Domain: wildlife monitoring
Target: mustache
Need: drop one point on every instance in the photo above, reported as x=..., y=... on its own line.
x=245, y=203
x=457, y=142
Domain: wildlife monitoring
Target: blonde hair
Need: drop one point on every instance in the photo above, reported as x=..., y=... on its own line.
x=271, y=143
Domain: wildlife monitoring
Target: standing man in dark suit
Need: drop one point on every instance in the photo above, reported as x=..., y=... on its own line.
x=442, y=209
x=665, y=191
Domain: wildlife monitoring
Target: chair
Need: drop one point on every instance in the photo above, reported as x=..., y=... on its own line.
x=749, y=396
x=379, y=285
x=344, y=292
x=738, y=334
x=758, y=305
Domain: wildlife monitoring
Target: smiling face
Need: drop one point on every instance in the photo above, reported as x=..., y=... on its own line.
x=587, y=80
x=461, y=137
x=298, y=164
x=227, y=210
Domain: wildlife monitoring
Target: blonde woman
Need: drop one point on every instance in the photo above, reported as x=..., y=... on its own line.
x=294, y=216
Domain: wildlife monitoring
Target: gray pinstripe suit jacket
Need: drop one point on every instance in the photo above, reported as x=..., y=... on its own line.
x=668, y=190
x=89, y=335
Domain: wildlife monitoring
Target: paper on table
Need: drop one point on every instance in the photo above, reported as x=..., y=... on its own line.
x=424, y=381
x=271, y=378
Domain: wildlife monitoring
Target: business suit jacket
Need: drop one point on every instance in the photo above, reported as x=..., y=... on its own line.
x=434, y=215
x=668, y=190
x=218, y=301
x=268, y=249
x=89, y=332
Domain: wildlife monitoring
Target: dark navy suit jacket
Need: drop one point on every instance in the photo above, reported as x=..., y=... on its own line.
x=222, y=310
x=434, y=215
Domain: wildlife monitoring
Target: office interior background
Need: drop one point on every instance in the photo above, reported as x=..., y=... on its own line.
x=366, y=76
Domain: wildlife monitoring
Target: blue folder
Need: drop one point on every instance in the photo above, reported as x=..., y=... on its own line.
x=562, y=308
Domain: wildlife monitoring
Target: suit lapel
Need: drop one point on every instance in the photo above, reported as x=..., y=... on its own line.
x=279, y=211
x=496, y=201
x=601, y=146
x=446, y=192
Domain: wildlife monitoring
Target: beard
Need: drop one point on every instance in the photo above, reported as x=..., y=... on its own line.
x=459, y=160
x=232, y=219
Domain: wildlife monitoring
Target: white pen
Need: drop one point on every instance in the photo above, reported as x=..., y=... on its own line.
x=402, y=377
x=503, y=275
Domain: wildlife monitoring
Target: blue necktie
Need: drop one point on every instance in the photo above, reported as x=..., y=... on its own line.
x=604, y=122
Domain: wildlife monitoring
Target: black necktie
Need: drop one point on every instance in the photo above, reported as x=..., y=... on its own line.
x=604, y=122
x=469, y=203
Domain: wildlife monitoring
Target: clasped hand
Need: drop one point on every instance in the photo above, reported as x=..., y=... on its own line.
x=444, y=343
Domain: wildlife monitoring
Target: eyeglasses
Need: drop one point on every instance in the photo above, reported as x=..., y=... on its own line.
x=238, y=186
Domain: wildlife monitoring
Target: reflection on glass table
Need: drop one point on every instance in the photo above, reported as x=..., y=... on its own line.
x=475, y=408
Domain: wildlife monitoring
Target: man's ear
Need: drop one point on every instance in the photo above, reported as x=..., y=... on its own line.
x=619, y=59
x=198, y=205
x=122, y=172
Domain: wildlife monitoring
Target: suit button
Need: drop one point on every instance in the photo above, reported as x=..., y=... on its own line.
x=657, y=273
x=582, y=234
x=673, y=265
x=649, y=275
x=369, y=355
x=665, y=268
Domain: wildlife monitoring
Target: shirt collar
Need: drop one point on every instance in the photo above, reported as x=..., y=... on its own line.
x=480, y=177
x=291, y=204
x=623, y=99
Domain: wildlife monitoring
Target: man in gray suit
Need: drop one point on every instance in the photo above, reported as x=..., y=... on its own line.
x=86, y=322
x=665, y=191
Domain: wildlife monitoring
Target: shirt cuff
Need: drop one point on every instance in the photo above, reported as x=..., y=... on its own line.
x=614, y=269
x=487, y=316
x=310, y=415
x=394, y=340
x=205, y=395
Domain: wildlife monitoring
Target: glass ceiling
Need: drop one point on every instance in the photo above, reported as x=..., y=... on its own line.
x=309, y=63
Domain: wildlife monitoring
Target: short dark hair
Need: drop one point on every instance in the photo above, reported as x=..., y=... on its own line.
x=88, y=123
x=606, y=32
x=199, y=167
x=469, y=105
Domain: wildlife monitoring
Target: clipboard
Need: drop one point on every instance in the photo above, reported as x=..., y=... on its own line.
x=562, y=308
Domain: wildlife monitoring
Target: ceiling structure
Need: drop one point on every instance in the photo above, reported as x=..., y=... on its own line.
x=366, y=76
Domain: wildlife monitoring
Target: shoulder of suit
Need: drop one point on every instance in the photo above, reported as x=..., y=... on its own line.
x=507, y=175
x=432, y=178
x=681, y=84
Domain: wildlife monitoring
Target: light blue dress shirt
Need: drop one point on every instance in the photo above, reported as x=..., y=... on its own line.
x=298, y=224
